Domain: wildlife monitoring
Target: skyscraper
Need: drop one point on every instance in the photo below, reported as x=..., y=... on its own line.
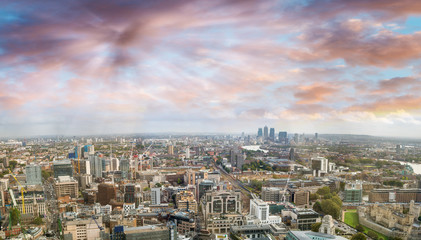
x=272, y=134
x=283, y=137
x=265, y=133
x=33, y=174
x=260, y=132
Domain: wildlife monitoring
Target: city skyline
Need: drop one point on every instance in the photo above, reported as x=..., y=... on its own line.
x=99, y=67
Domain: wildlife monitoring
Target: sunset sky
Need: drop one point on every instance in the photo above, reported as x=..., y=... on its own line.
x=97, y=67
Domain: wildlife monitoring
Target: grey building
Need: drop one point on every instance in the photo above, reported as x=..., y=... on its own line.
x=272, y=134
x=62, y=168
x=265, y=132
x=33, y=174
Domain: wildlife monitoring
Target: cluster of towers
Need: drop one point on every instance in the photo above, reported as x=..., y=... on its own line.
x=269, y=135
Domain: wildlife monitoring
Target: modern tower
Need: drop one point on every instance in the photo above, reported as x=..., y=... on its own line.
x=265, y=133
x=272, y=134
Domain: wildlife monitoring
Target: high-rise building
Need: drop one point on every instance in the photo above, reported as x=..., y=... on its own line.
x=124, y=168
x=33, y=174
x=187, y=152
x=62, y=168
x=170, y=149
x=85, y=167
x=283, y=137
x=265, y=132
x=129, y=193
x=272, y=134
x=115, y=164
x=237, y=158
x=156, y=196
x=260, y=132
x=96, y=165
x=316, y=136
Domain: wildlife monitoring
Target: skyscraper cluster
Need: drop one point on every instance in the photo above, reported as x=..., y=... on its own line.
x=269, y=135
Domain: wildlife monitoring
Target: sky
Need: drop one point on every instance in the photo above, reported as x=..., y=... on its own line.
x=85, y=67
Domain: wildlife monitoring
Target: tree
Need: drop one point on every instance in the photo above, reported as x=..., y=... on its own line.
x=45, y=174
x=15, y=216
x=37, y=221
x=317, y=207
x=313, y=196
x=158, y=185
x=358, y=236
x=337, y=200
x=359, y=228
x=323, y=190
x=331, y=208
x=146, y=189
x=315, y=227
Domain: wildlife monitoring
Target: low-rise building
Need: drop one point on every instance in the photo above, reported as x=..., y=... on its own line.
x=65, y=185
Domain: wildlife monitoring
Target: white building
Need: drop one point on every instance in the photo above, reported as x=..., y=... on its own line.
x=156, y=196
x=259, y=213
x=320, y=166
x=187, y=152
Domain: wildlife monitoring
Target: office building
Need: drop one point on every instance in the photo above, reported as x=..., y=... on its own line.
x=33, y=174
x=271, y=194
x=300, y=218
x=96, y=165
x=353, y=192
x=125, y=168
x=320, y=166
x=156, y=196
x=260, y=132
x=259, y=213
x=82, y=229
x=272, y=134
x=150, y=232
x=185, y=201
x=221, y=210
x=66, y=186
x=62, y=168
x=283, y=137
x=106, y=193
x=129, y=193
x=299, y=197
x=265, y=133
x=204, y=186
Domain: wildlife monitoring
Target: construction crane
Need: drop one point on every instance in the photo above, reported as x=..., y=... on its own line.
x=285, y=189
x=22, y=189
x=100, y=228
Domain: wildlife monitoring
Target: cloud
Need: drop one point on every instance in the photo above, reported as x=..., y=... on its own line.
x=313, y=93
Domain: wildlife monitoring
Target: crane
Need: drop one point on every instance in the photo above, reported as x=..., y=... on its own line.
x=22, y=189
x=285, y=189
x=100, y=228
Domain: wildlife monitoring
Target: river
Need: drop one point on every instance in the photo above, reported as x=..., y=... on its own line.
x=254, y=148
x=415, y=166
